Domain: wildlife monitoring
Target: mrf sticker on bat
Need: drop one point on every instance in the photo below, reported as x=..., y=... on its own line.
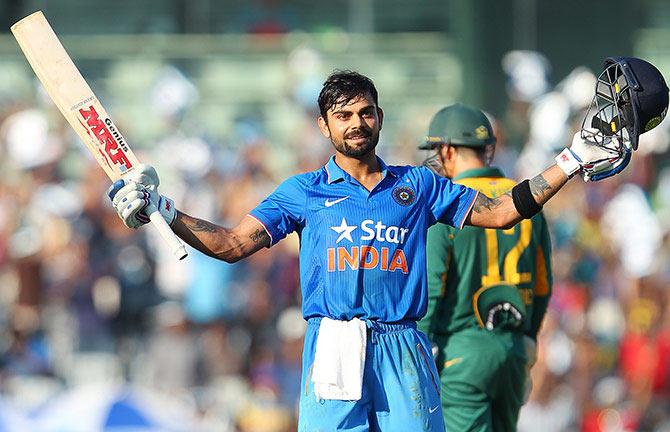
x=111, y=142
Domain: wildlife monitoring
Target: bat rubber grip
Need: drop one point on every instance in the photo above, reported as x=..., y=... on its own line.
x=173, y=242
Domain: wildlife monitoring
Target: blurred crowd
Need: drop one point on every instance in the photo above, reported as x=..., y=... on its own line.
x=604, y=348
x=87, y=303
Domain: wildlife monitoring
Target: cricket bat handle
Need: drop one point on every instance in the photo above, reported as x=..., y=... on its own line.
x=170, y=238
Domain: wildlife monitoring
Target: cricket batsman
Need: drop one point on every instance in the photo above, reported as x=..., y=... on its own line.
x=362, y=226
x=488, y=290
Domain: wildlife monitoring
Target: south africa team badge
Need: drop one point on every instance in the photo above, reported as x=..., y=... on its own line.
x=404, y=195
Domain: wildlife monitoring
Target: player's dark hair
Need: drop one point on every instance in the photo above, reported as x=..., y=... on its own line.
x=343, y=86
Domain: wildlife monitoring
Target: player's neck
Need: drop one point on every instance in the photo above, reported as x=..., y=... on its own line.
x=466, y=165
x=365, y=170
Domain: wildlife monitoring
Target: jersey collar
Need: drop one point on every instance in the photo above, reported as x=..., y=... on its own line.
x=479, y=172
x=336, y=174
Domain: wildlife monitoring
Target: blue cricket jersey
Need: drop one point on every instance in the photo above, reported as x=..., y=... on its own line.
x=362, y=253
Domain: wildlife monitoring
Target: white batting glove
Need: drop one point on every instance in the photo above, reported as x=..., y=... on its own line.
x=595, y=160
x=147, y=176
x=135, y=198
x=129, y=200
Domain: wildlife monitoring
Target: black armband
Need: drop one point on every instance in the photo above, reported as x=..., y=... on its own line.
x=523, y=199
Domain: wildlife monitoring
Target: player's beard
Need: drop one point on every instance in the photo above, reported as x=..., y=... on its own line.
x=358, y=150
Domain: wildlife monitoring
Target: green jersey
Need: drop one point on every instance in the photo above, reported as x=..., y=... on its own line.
x=462, y=263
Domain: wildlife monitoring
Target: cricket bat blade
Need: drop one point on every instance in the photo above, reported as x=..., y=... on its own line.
x=70, y=92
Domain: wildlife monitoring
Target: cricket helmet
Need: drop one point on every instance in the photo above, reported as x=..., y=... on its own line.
x=631, y=99
x=459, y=125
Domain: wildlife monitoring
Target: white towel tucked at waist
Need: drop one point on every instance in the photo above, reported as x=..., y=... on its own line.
x=339, y=360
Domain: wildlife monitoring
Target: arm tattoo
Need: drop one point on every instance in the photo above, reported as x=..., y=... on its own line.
x=483, y=202
x=259, y=236
x=201, y=225
x=538, y=186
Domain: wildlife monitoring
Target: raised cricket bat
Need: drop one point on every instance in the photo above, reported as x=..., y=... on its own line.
x=75, y=99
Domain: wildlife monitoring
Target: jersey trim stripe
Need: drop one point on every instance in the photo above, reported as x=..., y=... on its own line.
x=264, y=227
x=467, y=212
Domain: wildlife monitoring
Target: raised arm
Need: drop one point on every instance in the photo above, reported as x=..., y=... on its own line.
x=595, y=162
x=130, y=197
x=501, y=212
x=227, y=244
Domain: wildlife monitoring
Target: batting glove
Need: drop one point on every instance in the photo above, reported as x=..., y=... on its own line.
x=134, y=198
x=597, y=159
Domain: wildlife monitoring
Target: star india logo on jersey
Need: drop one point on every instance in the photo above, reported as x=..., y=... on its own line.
x=345, y=256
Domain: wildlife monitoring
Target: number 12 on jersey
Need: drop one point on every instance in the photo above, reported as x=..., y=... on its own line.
x=510, y=273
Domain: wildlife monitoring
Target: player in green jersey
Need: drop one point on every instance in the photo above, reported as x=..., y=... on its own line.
x=488, y=288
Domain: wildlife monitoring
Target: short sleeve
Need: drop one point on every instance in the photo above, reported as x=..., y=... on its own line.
x=282, y=212
x=447, y=202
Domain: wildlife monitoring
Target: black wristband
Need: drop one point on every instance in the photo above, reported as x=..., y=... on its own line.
x=523, y=199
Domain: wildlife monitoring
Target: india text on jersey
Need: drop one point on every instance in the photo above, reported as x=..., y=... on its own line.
x=357, y=257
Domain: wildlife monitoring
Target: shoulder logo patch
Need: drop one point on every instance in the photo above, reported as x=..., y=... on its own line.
x=404, y=195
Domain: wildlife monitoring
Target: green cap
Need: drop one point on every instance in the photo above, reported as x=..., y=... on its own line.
x=459, y=125
x=487, y=298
